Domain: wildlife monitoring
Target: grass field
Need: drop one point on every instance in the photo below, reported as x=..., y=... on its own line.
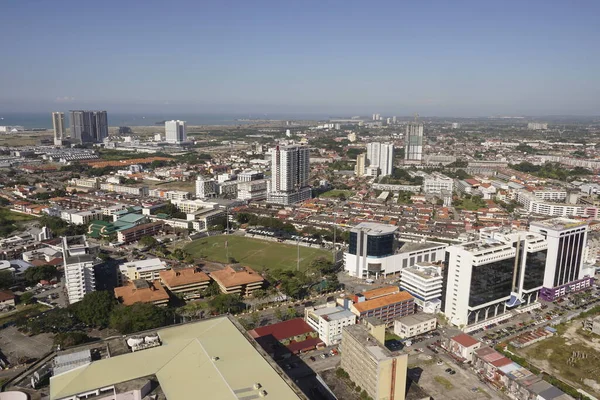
x=337, y=192
x=255, y=253
x=8, y=216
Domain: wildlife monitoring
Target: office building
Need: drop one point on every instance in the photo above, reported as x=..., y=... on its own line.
x=185, y=280
x=79, y=260
x=175, y=132
x=486, y=279
x=58, y=124
x=250, y=175
x=290, y=167
x=455, y=125
x=138, y=232
x=88, y=126
x=424, y=282
x=374, y=251
x=435, y=182
x=328, y=320
x=565, y=271
x=414, y=325
x=381, y=155
x=141, y=269
x=238, y=280
x=142, y=291
x=212, y=358
x=361, y=162
x=413, y=148
x=252, y=190
x=371, y=365
x=385, y=303
x=205, y=187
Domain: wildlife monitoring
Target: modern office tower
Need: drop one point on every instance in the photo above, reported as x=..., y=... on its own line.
x=79, y=260
x=537, y=126
x=564, y=268
x=58, y=123
x=371, y=365
x=290, y=167
x=361, y=160
x=88, y=126
x=381, y=155
x=205, y=187
x=484, y=280
x=175, y=131
x=413, y=149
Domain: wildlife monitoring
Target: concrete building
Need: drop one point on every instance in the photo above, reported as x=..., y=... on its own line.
x=413, y=148
x=205, y=187
x=141, y=191
x=254, y=190
x=424, y=282
x=328, y=320
x=380, y=155
x=463, y=346
x=79, y=260
x=58, y=124
x=148, y=270
x=361, y=162
x=250, y=175
x=435, y=183
x=537, y=126
x=414, y=325
x=290, y=167
x=137, y=232
x=212, y=356
x=565, y=271
x=142, y=291
x=175, y=132
x=536, y=205
x=88, y=126
x=374, y=251
x=370, y=365
x=386, y=304
x=186, y=281
x=238, y=280
x=174, y=195
x=592, y=324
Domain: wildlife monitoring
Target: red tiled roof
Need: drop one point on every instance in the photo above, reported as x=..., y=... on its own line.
x=306, y=345
x=283, y=330
x=465, y=340
x=501, y=362
x=6, y=295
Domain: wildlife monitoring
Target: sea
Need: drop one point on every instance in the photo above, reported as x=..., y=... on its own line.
x=44, y=120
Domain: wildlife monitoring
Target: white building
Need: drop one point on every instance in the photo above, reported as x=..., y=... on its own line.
x=80, y=217
x=374, y=251
x=124, y=189
x=58, y=124
x=424, y=282
x=436, y=182
x=79, y=260
x=252, y=190
x=381, y=155
x=205, y=187
x=413, y=148
x=534, y=205
x=175, y=195
x=328, y=320
x=175, y=131
x=250, y=175
x=414, y=325
x=142, y=269
x=361, y=162
x=536, y=126
x=290, y=168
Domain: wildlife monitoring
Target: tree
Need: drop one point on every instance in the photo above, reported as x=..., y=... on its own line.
x=223, y=303
x=213, y=289
x=6, y=279
x=138, y=317
x=68, y=339
x=255, y=318
x=291, y=313
x=43, y=272
x=279, y=314
x=148, y=241
x=95, y=308
x=27, y=298
x=259, y=294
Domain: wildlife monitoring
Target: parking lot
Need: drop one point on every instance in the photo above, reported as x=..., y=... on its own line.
x=18, y=347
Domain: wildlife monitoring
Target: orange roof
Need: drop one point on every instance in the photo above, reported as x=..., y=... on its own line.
x=465, y=340
x=372, y=294
x=230, y=276
x=141, y=291
x=184, y=276
x=382, y=302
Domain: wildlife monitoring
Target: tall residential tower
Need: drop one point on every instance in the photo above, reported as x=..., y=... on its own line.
x=88, y=126
x=381, y=155
x=175, y=131
x=58, y=123
x=413, y=149
x=290, y=166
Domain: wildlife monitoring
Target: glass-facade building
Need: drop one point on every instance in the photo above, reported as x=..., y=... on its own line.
x=376, y=245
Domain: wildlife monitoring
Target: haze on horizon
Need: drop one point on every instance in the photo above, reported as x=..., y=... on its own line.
x=467, y=58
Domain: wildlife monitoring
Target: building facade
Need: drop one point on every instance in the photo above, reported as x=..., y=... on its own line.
x=88, y=126
x=328, y=320
x=414, y=325
x=205, y=187
x=413, y=148
x=290, y=167
x=79, y=260
x=175, y=132
x=58, y=124
x=380, y=155
x=424, y=282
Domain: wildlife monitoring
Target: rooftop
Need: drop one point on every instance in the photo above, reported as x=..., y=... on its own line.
x=236, y=276
x=141, y=291
x=415, y=319
x=559, y=223
x=373, y=228
x=465, y=340
x=283, y=330
x=146, y=265
x=211, y=356
x=184, y=276
x=361, y=334
x=372, y=294
x=408, y=247
x=382, y=301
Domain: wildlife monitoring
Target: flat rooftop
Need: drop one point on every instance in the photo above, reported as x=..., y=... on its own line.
x=361, y=334
x=211, y=356
x=409, y=247
x=416, y=319
x=373, y=228
x=559, y=223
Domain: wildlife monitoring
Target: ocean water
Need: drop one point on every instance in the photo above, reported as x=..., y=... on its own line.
x=44, y=120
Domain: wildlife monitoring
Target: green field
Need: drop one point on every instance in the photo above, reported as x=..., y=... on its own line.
x=9, y=216
x=255, y=253
x=337, y=193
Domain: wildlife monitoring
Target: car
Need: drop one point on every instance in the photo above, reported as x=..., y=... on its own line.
x=448, y=370
x=452, y=372
x=312, y=358
x=323, y=356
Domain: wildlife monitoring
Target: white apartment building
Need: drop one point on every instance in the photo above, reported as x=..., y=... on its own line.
x=413, y=148
x=290, y=168
x=414, y=325
x=143, y=269
x=424, y=282
x=131, y=190
x=250, y=175
x=252, y=190
x=361, y=162
x=381, y=155
x=58, y=124
x=536, y=126
x=436, y=182
x=533, y=205
x=205, y=187
x=90, y=183
x=175, y=132
x=328, y=320
x=170, y=194
x=80, y=217
x=79, y=260
x=191, y=206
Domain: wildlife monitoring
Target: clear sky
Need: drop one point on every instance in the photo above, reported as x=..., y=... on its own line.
x=444, y=58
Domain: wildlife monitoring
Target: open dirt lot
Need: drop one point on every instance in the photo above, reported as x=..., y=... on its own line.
x=17, y=347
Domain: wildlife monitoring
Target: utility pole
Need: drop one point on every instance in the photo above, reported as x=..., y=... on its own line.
x=334, y=234
x=226, y=234
x=298, y=256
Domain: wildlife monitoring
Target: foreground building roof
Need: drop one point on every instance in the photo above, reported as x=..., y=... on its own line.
x=209, y=358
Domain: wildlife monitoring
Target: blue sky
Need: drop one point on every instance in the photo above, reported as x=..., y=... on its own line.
x=445, y=58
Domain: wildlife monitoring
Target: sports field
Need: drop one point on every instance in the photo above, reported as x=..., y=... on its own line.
x=255, y=253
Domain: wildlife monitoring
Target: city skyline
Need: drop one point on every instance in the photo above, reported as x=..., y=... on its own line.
x=441, y=59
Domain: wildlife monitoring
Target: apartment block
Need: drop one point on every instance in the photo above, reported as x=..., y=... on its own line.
x=328, y=320
x=141, y=269
x=136, y=233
